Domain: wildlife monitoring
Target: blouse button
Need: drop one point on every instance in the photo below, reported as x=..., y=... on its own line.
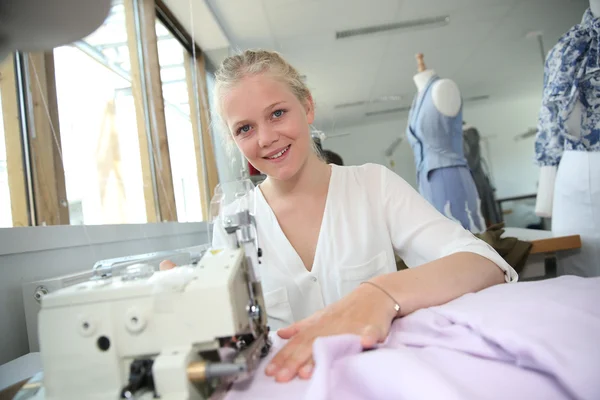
x=313, y=278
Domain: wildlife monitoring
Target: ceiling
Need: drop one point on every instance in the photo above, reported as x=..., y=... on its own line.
x=484, y=48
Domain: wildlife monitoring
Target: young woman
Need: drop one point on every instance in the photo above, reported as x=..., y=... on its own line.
x=329, y=233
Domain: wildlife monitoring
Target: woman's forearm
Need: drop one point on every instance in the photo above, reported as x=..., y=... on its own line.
x=440, y=281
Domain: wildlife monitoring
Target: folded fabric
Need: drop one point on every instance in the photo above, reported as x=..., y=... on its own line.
x=513, y=250
x=529, y=340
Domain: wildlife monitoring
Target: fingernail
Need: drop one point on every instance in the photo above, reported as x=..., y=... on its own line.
x=283, y=374
x=307, y=369
x=271, y=368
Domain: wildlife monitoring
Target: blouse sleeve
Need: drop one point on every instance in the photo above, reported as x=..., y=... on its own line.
x=549, y=141
x=420, y=234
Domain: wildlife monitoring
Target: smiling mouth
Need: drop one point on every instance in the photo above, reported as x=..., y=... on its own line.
x=276, y=156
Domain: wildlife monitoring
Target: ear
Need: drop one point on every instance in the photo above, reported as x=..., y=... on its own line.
x=309, y=106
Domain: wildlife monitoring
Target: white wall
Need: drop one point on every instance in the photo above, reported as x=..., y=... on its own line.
x=29, y=254
x=367, y=144
x=511, y=162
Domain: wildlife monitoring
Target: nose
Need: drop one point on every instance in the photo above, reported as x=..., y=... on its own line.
x=267, y=136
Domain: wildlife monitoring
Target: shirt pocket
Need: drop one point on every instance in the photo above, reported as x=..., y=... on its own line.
x=279, y=309
x=352, y=276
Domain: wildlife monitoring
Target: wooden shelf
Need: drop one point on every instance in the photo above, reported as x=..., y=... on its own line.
x=545, y=241
x=554, y=244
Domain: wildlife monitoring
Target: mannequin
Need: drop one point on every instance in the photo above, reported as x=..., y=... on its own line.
x=559, y=193
x=435, y=134
x=547, y=177
x=445, y=93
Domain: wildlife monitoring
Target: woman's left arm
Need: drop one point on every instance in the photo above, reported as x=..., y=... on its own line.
x=443, y=251
x=439, y=281
x=448, y=260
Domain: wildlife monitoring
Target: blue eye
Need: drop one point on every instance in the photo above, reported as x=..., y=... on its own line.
x=244, y=129
x=278, y=113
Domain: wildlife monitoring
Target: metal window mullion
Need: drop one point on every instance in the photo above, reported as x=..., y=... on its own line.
x=146, y=105
x=198, y=110
x=27, y=129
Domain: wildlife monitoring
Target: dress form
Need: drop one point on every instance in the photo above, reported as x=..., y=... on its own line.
x=435, y=135
x=547, y=177
x=567, y=144
x=446, y=95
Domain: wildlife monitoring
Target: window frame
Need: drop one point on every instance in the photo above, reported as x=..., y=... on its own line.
x=195, y=64
x=15, y=158
x=32, y=131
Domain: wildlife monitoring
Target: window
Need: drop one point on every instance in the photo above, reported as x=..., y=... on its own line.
x=182, y=151
x=5, y=211
x=98, y=128
x=230, y=163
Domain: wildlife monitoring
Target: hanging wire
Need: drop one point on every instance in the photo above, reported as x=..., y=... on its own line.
x=200, y=97
x=542, y=51
x=31, y=64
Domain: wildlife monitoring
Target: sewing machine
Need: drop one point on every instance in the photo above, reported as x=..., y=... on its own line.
x=132, y=331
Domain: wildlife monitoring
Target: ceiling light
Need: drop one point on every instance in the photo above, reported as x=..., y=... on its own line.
x=352, y=104
x=387, y=98
x=388, y=111
x=381, y=99
x=407, y=108
x=476, y=98
x=431, y=22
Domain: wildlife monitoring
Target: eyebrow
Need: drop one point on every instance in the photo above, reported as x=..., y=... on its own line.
x=274, y=105
x=239, y=124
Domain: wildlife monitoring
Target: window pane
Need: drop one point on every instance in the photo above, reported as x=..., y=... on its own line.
x=179, y=126
x=5, y=211
x=230, y=164
x=98, y=128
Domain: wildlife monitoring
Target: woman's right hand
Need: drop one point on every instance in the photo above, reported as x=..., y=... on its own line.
x=166, y=264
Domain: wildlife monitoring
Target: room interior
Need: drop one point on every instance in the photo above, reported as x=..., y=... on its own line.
x=109, y=146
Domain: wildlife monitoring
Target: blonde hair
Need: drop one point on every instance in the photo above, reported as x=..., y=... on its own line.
x=252, y=62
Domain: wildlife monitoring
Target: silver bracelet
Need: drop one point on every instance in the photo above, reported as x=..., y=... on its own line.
x=396, y=305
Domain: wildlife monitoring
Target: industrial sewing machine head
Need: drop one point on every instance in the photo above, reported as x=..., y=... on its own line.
x=185, y=333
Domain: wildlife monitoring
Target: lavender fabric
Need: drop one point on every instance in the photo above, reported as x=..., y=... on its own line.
x=530, y=340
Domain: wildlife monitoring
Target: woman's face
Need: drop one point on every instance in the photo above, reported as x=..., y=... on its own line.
x=269, y=125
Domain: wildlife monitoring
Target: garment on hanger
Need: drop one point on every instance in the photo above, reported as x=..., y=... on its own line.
x=572, y=84
x=472, y=150
x=443, y=175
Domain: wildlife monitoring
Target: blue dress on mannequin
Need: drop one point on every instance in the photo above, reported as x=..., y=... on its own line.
x=443, y=174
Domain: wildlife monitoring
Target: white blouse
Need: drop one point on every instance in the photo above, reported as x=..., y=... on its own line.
x=370, y=214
